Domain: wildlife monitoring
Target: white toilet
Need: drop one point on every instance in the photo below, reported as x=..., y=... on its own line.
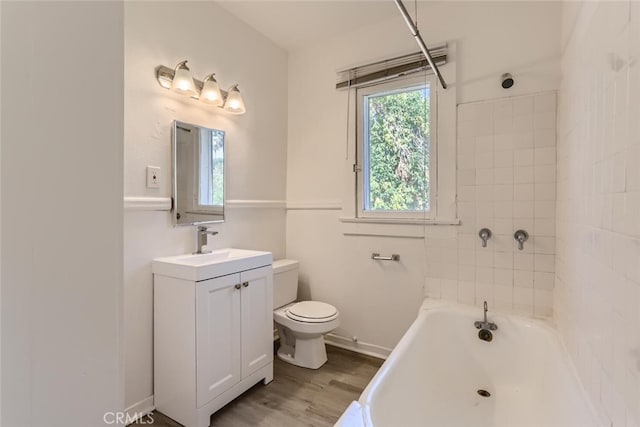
x=301, y=325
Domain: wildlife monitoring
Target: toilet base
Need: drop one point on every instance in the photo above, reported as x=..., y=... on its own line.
x=308, y=353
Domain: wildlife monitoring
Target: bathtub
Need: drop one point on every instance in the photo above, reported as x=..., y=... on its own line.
x=434, y=375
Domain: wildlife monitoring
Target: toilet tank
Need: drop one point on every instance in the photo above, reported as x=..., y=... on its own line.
x=285, y=282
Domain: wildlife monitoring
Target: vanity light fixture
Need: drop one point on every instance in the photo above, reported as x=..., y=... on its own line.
x=234, y=103
x=208, y=91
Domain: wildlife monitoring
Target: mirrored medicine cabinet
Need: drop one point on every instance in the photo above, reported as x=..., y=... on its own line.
x=198, y=174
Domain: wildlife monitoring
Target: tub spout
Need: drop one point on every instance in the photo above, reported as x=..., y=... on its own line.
x=485, y=326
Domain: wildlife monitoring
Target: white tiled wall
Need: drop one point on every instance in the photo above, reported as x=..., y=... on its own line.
x=597, y=295
x=506, y=181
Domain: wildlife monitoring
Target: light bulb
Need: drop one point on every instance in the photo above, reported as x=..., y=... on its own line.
x=234, y=103
x=183, y=81
x=210, y=93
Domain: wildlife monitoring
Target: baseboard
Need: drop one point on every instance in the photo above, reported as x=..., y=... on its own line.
x=139, y=409
x=357, y=346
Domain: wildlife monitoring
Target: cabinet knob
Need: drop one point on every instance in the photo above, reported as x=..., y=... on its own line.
x=237, y=286
x=245, y=284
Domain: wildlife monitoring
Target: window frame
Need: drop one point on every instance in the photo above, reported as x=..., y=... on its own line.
x=397, y=85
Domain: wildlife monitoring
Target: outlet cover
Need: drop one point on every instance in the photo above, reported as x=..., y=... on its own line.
x=153, y=177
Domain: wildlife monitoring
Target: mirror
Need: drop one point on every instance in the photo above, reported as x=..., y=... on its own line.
x=198, y=174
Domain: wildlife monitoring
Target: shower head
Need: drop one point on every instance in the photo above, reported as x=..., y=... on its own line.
x=506, y=80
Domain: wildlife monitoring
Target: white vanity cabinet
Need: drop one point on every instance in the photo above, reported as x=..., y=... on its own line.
x=213, y=340
x=234, y=335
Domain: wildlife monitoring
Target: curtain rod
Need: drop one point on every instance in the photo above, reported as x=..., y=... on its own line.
x=416, y=34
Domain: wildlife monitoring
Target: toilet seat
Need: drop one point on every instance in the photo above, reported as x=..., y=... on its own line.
x=312, y=312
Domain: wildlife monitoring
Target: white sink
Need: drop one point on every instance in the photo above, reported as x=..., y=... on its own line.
x=214, y=264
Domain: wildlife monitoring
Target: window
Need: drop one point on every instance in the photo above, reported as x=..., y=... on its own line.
x=396, y=149
x=406, y=175
x=211, y=166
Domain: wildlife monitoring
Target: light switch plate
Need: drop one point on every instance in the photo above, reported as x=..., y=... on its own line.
x=153, y=177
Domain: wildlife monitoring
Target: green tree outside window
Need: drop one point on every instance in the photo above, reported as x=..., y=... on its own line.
x=398, y=151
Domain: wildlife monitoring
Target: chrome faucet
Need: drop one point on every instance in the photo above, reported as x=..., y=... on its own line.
x=201, y=240
x=485, y=326
x=521, y=236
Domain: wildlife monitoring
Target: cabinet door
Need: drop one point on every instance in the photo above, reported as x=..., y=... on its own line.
x=217, y=336
x=257, y=319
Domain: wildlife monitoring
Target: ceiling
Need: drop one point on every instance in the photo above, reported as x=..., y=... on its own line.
x=296, y=23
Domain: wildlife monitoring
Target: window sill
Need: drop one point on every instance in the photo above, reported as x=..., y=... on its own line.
x=407, y=221
x=391, y=227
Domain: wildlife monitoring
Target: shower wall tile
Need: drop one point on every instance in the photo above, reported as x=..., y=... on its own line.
x=597, y=280
x=506, y=181
x=522, y=261
x=523, y=106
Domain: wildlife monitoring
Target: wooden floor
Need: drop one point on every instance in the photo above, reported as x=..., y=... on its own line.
x=297, y=396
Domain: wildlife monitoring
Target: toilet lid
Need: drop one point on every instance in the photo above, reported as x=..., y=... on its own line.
x=312, y=312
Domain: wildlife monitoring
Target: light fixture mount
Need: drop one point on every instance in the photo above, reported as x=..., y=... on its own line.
x=182, y=66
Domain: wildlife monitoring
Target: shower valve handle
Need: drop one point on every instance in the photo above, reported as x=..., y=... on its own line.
x=521, y=236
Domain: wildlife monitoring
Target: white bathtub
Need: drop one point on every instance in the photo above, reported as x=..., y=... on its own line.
x=432, y=377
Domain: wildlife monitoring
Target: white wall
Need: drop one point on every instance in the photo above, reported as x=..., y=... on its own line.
x=0, y=221
x=379, y=301
x=213, y=41
x=62, y=175
x=597, y=295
